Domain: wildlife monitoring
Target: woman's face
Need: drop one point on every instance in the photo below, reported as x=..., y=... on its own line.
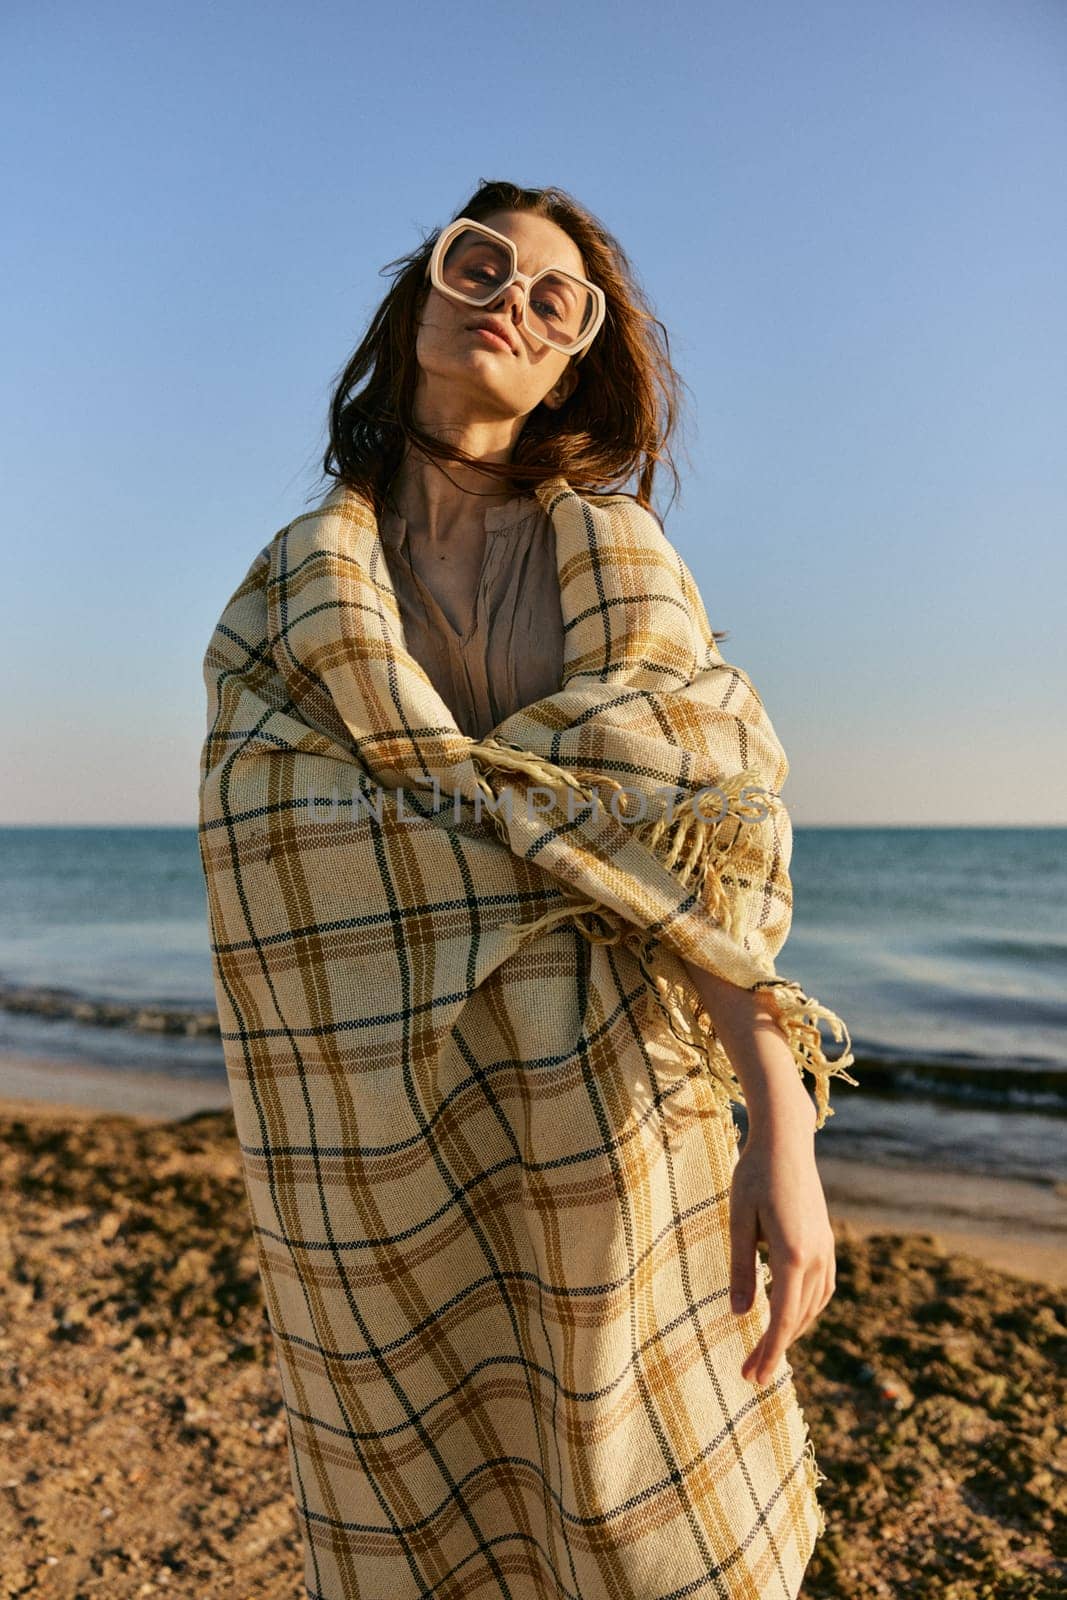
x=465, y=377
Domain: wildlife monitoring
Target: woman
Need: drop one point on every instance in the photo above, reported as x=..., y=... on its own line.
x=482, y=1053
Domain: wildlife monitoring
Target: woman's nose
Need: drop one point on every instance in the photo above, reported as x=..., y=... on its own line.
x=512, y=296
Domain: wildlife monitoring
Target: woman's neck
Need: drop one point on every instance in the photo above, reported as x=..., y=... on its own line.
x=444, y=509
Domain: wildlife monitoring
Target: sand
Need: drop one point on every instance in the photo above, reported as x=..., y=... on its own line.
x=1016, y=1226
x=142, y=1438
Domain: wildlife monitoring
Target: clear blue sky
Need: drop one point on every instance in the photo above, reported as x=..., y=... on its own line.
x=850, y=217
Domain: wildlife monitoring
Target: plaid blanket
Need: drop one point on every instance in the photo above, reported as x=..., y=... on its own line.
x=485, y=1122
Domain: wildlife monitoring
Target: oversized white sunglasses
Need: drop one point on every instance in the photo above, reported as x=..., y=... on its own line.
x=473, y=264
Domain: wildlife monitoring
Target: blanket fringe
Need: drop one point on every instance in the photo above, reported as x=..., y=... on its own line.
x=798, y=1017
x=813, y=1475
x=593, y=919
x=689, y=844
x=694, y=848
x=495, y=755
x=796, y=1013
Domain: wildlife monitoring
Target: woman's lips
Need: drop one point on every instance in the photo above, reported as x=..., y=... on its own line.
x=494, y=338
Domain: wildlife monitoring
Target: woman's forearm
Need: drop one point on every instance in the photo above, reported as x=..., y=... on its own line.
x=776, y=1099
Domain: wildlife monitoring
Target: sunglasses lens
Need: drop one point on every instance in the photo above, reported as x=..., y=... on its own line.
x=561, y=307
x=476, y=267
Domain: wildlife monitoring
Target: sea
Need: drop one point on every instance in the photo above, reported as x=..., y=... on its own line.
x=944, y=950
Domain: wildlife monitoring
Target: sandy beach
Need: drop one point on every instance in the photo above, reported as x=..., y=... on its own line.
x=142, y=1446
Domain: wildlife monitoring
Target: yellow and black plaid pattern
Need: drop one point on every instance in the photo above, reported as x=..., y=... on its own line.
x=485, y=1127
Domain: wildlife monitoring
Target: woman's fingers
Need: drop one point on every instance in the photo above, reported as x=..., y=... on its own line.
x=797, y=1295
x=818, y=1294
x=826, y=1291
x=814, y=1301
x=788, y=1293
x=826, y=1286
x=776, y=1197
x=742, y=1252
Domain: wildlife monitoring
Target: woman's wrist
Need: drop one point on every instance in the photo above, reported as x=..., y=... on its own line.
x=776, y=1100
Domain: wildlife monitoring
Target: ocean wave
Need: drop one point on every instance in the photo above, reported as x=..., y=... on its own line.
x=135, y=1016
x=1039, y=952
x=979, y=1081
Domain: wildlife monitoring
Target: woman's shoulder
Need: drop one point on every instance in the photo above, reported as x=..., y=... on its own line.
x=640, y=529
x=630, y=522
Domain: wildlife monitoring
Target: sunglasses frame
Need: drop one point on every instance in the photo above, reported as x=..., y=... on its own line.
x=579, y=347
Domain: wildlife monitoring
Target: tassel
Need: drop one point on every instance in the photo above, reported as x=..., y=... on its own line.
x=797, y=1015
x=690, y=845
x=576, y=910
x=813, y=1476
x=694, y=848
x=495, y=755
x=687, y=844
x=687, y=1019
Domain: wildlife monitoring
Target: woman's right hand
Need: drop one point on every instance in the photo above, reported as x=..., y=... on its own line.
x=777, y=1197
